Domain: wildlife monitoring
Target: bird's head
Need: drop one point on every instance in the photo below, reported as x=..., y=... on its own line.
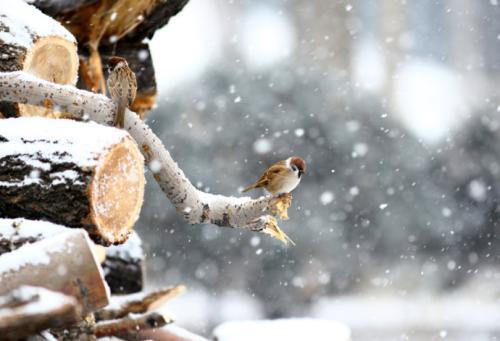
x=116, y=61
x=298, y=165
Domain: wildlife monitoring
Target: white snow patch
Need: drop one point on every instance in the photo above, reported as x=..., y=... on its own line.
x=370, y=71
x=429, y=99
x=193, y=52
x=284, y=329
x=299, y=132
x=131, y=249
x=326, y=197
x=47, y=300
x=67, y=176
x=360, y=150
x=39, y=253
x=267, y=36
x=22, y=228
x=155, y=165
x=477, y=190
x=262, y=146
x=24, y=20
x=420, y=312
x=98, y=139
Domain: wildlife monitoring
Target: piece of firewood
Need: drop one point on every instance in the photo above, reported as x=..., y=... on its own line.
x=72, y=173
x=28, y=310
x=121, y=306
x=124, y=266
x=63, y=263
x=34, y=42
x=131, y=324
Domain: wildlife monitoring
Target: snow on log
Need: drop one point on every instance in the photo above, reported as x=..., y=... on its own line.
x=196, y=206
x=124, y=266
x=63, y=263
x=72, y=173
x=15, y=233
x=122, y=305
x=28, y=310
x=37, y=44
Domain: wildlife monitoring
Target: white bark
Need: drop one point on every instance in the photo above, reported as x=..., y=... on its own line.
x=195, y=205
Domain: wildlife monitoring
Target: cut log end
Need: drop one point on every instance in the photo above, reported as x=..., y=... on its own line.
x=53, y=59
x=117, y=200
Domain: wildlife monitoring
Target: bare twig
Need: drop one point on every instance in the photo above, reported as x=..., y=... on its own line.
x=131, y=324
x=137, y=304
x=196, y=206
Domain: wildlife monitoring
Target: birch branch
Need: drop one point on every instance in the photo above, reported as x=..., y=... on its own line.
x=196, y=206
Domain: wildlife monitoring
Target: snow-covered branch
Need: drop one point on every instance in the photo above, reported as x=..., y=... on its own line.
x=196, y=206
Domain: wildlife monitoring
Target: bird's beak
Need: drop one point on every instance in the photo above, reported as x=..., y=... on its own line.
x=301, y=173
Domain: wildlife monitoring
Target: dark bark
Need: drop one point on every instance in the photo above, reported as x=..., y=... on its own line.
x=58, y=7
x=124, y=266
x=124, y=276
x=63, y=203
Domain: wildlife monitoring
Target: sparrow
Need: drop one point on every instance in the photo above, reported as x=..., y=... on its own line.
x=122, y=86
x=282, y=177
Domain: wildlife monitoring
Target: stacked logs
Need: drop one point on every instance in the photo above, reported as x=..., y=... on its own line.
x=71, y=192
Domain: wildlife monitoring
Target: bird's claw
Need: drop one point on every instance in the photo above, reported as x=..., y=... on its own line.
x=280, y=205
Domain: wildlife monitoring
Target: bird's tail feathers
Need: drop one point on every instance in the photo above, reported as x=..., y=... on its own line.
x=252, y=186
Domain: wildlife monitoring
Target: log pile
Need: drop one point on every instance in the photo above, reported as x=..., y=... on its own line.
x=66, y=186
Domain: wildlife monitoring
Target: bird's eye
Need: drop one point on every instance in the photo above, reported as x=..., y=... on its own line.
x=294, y=168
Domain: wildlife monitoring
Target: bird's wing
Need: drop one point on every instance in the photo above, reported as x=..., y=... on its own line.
x=276, y=169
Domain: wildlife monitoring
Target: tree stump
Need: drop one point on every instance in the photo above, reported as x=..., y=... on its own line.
x=33, y=42
x=71, y=173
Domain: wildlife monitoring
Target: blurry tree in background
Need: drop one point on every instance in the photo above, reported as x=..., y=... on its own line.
x=394, y=106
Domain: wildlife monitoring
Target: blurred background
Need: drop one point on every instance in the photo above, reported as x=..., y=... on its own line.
x=395, y=107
